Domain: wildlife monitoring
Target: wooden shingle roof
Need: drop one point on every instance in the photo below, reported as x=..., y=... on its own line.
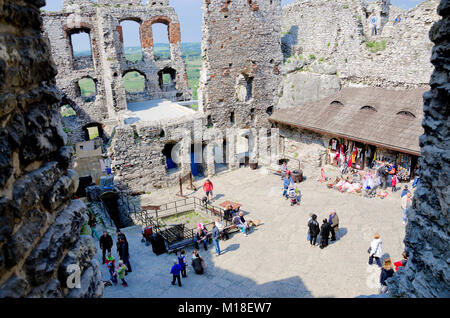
x=381, y=117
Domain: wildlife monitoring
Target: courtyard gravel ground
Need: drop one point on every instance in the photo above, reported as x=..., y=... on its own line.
x=274, y=260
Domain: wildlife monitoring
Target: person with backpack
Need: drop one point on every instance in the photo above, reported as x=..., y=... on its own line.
x=175, y=271
x=314, y=230
x=375, y=250
x=197, y=263
x=106, y=243
x=183, y=262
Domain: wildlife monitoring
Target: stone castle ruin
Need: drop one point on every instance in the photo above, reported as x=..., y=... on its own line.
x=257, y=59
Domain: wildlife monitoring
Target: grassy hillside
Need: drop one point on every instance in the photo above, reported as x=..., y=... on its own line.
x=191, y=53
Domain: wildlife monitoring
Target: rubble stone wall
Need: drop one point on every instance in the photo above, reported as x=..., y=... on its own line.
x=241, y=52
x=427, y=273
x=108, y=64
x=39, y=223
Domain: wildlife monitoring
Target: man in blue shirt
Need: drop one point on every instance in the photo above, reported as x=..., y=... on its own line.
x=175, y=271
x=286, y=182
x=405, y=191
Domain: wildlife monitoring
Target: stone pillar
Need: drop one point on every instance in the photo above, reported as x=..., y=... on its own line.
x=427, y=273
x=40, y=244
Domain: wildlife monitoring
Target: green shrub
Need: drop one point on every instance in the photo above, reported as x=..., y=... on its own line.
x=375, y=46
x=312, y=57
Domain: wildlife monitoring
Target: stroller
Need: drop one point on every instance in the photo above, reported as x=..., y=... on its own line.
x=294, y=195
x=147, y=232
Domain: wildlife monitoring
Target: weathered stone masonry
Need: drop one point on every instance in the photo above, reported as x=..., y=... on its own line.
x=427, y=273
x=241, y=51
x=108, y=65
x=39, y=223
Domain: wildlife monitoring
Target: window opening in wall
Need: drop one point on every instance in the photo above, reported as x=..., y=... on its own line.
x=167, y=79
x=336, y=102
x=197, y=162
x=171, y=166
x=232, y=119
x=244, y=88
x=92, y=131
x=252, y=115
x=131, y=40
x=370, y=108
x=87, y=89
x=67, y=111
x=209, y=122
x=161, y=46
x=134, y=82
x=406, y=113
x=80, y=42
x=220, y=157
x=269, y=110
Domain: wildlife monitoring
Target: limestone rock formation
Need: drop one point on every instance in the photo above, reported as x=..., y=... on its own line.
x=427, y=273
x=39, y=223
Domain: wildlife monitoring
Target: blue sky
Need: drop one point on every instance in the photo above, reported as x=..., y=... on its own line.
x=190, y=16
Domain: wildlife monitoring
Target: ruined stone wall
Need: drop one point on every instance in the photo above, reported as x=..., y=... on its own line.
x=241, y=52
x=427, y=273
x=108, y=64
x=40, y=224
x=337, y=32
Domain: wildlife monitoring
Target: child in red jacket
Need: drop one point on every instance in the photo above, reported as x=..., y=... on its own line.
x=402, y=262
x=394, y=183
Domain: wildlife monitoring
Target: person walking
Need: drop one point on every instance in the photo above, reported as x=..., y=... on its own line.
x=93, y=224
x=208, y=188
x=122, y=249
x=120, y=236
x=386, y=272
x=314, y=230
x=183, y=262
x=375, y=250
x=324, y=233
x=406, y=204
x=106, y=243
x=308, y=235
x=121, y=272
x=175, y=271
x=215, y=237
x=333, y=220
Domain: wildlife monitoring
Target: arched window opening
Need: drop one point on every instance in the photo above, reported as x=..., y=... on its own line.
x=369, y=108
x=134, y=82
x=167, y=77
x=269, y=110
x=170, y=153
x=131, y=40
x=161, y=46
x=209, y=122
x=67, y=111
x=80, y=42
x=406, y=113
x=87, y=89
x=336, y=102
x=244, y=88
x=92, y=131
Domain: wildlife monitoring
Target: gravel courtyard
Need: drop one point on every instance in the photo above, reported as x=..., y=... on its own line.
x=275, y=260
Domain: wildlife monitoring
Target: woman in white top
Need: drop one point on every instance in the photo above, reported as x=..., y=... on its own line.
x=219, y=224
x=376, y=250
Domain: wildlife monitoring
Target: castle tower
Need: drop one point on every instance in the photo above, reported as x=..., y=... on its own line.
x=241, y=48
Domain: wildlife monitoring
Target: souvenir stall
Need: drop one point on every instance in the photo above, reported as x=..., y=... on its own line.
x=333, y=152
x=404, y=167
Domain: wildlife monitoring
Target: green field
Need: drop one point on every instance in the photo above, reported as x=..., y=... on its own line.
x=191, y=53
